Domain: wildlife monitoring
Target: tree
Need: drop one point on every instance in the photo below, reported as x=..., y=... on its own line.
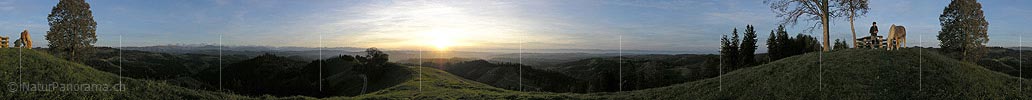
x=840, y=45
x=782, y=44
x=804, y=44
x=791, y=10
x=787, y=46
x=772, y=46
x=376, y=57
x=964, y=30
x=748, y=46
x=372, y=61
x=853, y=9
x=729, y=50
x=72, y=30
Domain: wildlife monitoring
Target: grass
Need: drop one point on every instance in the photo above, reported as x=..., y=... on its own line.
x=437, y=84
x=842, y=74
x=33, y=67
x=852, y=74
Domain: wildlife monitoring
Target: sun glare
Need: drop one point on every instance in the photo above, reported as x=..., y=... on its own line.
x=442, y=40
x=442, y=44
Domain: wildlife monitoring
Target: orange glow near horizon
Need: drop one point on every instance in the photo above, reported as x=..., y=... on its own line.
x=443, y=40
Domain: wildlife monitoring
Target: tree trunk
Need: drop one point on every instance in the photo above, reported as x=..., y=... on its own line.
x=852, y=28
x=824, y=21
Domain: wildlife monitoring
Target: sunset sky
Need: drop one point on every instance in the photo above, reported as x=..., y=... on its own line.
x=481, y=24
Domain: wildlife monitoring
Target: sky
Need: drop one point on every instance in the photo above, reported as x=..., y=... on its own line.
x=676, y=25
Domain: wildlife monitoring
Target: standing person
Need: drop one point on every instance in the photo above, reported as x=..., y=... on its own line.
x=874, y=35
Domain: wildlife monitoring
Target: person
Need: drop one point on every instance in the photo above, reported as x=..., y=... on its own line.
x=874, y=35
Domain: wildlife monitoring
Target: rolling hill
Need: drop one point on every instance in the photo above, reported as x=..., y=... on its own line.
x=274, y=75
x=24, y=67
x=640, y=71
x=851, y=74
x=155, y=65
x=511, y=76
x=842, y=74
x=430, y=83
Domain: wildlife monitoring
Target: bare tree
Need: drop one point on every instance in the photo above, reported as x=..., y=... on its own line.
x=792, y=10
x=853, y=9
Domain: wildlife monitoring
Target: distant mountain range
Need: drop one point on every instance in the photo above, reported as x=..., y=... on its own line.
x=185, y=48
x=1020, y=48
x=310, y=53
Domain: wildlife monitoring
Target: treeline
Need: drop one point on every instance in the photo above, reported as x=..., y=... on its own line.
x=738, y=53
x=780, y=45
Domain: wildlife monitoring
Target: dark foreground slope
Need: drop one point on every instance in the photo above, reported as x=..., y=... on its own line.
x=433, y=84
x=851, y=74
x=514, y=76
x=844, y=74
x=274, y=75
x=18, y=66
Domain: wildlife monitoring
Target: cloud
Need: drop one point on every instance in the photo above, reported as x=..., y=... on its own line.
x=411, y=24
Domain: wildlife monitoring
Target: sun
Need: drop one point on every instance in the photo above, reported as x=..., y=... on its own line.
x=442, y=44
x=442, y=40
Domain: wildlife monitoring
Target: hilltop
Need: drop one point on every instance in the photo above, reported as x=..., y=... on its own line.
x=851, y=74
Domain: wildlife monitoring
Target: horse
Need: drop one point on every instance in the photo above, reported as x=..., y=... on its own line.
x=897, y=37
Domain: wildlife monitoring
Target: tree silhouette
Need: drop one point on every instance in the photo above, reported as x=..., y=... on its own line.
x=785, y=46
x=729, y=50
x=853, y=9
x=748, y=46
x=773, y=46
x=376, y=57
x=840, y=44
x=792, y=10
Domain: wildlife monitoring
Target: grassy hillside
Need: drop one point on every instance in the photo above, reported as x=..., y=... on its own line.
x=851, y=74
x=1010, y=61
x=843, y=74
x=282, y=76
x=155, y=65
x=511, y=76
x=33, y=67
x=437, y=84
x=640, y=71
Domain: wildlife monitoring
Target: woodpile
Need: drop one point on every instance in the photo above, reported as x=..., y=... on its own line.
x=3, y=42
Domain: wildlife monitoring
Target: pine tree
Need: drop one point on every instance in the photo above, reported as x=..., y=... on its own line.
x=748, y=46
x=784, y=44
x=729, y=50
x=839, y=44
x=773, y=46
